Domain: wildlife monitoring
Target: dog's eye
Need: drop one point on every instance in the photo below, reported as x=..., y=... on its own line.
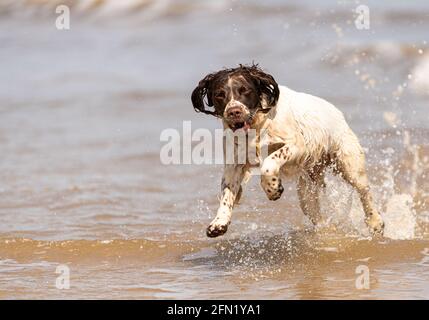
x=243, y=90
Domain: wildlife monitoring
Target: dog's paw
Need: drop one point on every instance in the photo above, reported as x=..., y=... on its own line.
x=275, y=194
x=216, y=229
x=272, y=187
x=375, y=224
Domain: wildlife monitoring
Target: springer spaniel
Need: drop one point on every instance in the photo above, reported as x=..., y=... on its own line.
x=305, y=136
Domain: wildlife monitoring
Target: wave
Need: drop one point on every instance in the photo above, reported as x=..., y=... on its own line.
x=107, y=8
x=261, y=252
x=387, y=53
x=20, y=249
x=159, y=8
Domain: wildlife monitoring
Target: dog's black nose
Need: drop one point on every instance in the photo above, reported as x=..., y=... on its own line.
x=235, y=112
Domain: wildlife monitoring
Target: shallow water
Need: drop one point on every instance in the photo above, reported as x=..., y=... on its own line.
x=82, y=185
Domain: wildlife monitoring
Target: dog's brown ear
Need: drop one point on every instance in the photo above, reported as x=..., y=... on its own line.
x=202, y=92
x=268, y=87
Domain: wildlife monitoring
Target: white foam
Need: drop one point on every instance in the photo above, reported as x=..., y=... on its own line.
x=341, y=206
x=399, y=217
x=420, y=76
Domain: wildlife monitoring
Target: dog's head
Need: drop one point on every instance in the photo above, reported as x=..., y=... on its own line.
x=236, y=95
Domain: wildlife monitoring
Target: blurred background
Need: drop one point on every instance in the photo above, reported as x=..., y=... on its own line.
x=81, y=112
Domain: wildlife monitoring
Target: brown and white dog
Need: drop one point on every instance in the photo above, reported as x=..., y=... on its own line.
x=305, y=136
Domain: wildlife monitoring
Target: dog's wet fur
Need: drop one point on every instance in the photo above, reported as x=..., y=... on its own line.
x=304, y=134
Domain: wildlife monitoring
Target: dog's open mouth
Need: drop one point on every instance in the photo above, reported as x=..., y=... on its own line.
x=240, y=125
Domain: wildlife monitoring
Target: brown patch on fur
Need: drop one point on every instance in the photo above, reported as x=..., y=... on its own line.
x=274, y=147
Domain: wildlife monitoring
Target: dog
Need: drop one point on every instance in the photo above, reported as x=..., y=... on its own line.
x=305, y=136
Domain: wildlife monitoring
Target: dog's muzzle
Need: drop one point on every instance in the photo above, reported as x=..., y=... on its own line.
x=237, y=116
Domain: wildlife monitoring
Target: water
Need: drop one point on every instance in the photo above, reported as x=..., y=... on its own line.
x=82, y=185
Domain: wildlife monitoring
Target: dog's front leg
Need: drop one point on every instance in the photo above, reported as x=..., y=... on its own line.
x=270, y=170
x=231, y=187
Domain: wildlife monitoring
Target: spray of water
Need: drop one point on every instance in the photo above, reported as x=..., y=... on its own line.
x=342, y=208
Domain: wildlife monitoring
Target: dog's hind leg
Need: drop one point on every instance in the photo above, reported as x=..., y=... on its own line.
x=351, y=166
x=308, y=190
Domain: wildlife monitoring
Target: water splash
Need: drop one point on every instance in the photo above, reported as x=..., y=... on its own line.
x=341, y=205
x=420, y=78
x=399, y=217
